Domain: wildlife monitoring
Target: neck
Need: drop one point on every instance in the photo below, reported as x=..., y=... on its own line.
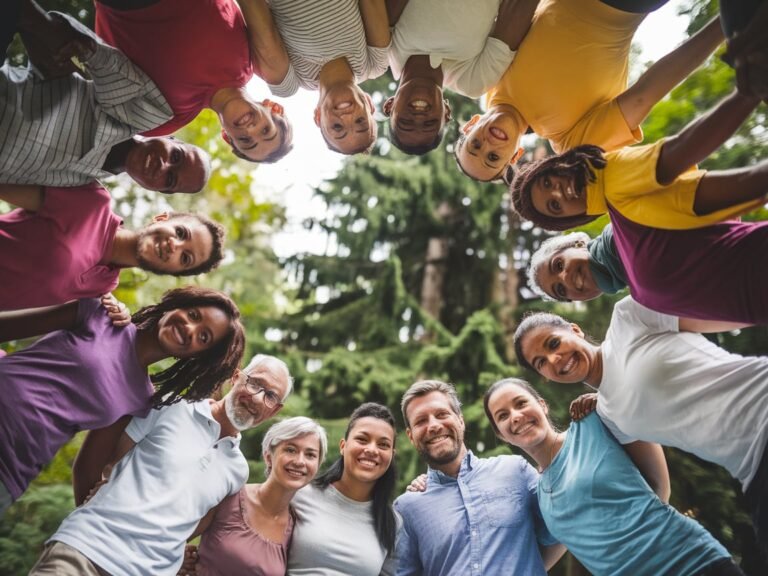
x=219, y=413
x=512, y=112
x=335, y=72
x=223, y=95
x=454, y=466
x=595, y=375
x=546, y=451
x=124, y=248
x=115, y=161
x=147, y=350
x=271, y=497
x=354, y=489
x=418, y=66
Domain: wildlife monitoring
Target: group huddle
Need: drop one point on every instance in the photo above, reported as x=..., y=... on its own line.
x=161, y=463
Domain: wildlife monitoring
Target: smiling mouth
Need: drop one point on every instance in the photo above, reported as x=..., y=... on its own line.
x=571, y=193
x=438, y=439
x=498, y=133
x=244, y=119
x=367, y=463
x=295, y=473
x=569, y=366
x=523, y=429
x=420, y=105
x=178, y=335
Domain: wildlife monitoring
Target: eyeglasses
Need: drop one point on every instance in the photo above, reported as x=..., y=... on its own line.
x=271, y=398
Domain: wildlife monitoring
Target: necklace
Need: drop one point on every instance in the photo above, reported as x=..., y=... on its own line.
x=547, y=472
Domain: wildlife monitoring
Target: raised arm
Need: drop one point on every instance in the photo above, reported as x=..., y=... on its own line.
x=18, y=324
x=28, y=197
x=513, y=21
x=268, y=52
x=100, y=448
x=708, y=326
x=652, y=464
x=394, y=10
x=703, y=136
x=636, y=102
x=376, y=22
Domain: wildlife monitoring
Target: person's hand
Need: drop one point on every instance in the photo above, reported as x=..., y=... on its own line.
x=105, y=474
x=116, y=310
x=57, y=49
x=189, y=565
x=747, y=53
x=418, y=484
x=583, y=405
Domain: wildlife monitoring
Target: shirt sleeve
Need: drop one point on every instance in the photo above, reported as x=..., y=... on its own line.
x=613, y=429
x=139, y=428
x=603, y=126
x=406, y=550
x=655, y=322
x=122, y=89
x=531, y=478
x=476, y=76
x=289, y=86
x=378, y=61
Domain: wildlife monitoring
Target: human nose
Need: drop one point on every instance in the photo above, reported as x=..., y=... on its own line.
x=553, y=357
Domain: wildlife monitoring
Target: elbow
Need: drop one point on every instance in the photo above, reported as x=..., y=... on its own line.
x=663, y=490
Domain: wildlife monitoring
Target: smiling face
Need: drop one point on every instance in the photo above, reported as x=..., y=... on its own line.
x=417, y=113
x=246, y=410
x=345, y=117
x=490, y=143
x=186, y=332
x=558, y=197
x=166, y=165
x=435, y=429
x=562, y=354
x=368, y=450
x=256, y=130
x=521, y=419
x=294, y=463
x=171, y=245
x=567, y=275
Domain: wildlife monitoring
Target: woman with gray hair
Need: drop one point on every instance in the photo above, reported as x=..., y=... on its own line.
x=250, y=532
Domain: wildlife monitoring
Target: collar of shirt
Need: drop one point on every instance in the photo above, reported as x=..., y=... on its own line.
x=467, y=465
x=202, y=410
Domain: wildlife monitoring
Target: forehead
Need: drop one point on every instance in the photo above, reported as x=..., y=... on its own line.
x=428, y=404
x=539, y=195
x=192, y=172
x=534, y=342
x=216, y=319
x=374, y=427
x=507, y=394
x=307, y=441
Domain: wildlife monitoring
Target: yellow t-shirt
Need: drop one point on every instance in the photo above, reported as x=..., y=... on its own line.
x=628, y=183
x=568, y=71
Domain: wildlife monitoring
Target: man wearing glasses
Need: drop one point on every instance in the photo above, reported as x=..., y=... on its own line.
x=170, y=469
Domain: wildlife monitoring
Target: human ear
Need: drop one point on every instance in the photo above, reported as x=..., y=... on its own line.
x=368, y=98
x=342, y=443
x=386, y=108
x=577, y=329
x=162, y=217
x=317, y=116
x=410, y=435
x=472, y=121
x=448, y=111
x=517, y=155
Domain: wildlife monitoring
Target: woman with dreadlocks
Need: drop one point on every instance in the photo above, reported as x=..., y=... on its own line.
x=89, y=374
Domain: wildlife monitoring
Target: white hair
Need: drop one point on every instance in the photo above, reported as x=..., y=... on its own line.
x=260, y=359
x=546, y=251
x=289, y=429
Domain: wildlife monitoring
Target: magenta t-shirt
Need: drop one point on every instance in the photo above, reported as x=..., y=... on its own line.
x=67, y=381
x=190, y=49
x=60, y=252
x=714, y=273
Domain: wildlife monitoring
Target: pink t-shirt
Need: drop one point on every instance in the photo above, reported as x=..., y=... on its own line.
x=231, y=547
x=60, y=252
x=190, y=49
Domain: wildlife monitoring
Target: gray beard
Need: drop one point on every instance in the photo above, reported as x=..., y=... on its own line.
x=240, y=418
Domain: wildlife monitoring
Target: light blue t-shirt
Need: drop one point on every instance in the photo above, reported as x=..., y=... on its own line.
x=484, y=522
x=595, y=501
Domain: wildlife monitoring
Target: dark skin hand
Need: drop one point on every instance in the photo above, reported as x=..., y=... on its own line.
x=747, y=52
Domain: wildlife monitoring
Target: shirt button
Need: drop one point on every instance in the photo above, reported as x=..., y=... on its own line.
x=476, y=566
x=474, y=532
x=216, y=447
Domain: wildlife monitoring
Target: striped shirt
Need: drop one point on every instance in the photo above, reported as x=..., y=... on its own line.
x=58, y=132
x=316, y=32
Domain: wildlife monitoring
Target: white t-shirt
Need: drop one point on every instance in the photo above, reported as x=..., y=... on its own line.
x=335, y=536
x=679, y=389
x=454, y=33
x=139, y=521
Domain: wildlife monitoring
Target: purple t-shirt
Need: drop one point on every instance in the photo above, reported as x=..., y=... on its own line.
x=232, y=547
x=67, y=381
x=711, y=273
x=60, y=252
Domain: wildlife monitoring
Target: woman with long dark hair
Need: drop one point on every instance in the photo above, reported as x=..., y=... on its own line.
x=88, y=374
x=346, y=524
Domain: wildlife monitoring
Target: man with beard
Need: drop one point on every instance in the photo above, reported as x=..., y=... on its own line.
x=65, y=243
x=477, y=515
x=171, y=468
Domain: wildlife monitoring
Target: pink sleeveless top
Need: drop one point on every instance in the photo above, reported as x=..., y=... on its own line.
x=231, y=547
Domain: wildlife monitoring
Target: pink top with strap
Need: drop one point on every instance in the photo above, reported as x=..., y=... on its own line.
x=232, y=547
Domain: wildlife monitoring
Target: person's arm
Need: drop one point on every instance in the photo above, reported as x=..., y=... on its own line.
x=27, y=197
x=703, y=136
x=583, y=406
x=100, y=448
x=48, y=40
x=408, y=561
x=268, y=52
x=747, y=52
x=204, y=523
x=18, y=324
x=513, y=21
x=636, y=102
x=376, y=23
x=708, y=326
x=395, y=10
x=551, y=554
x=650, y=461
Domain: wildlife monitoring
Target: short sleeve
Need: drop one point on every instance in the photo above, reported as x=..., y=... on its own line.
x=476, y=76
x=378, y=61
x=138, y=428
x=634, y=313
x=613, y=429
x=603, y=126
x=289, y=86
x=87, y=309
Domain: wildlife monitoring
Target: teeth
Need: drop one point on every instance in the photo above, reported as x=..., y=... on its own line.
x=343, y=105
x=569, y=365
x=419, y=104
x=524, y=429
x=367, y=463
x=296, y=473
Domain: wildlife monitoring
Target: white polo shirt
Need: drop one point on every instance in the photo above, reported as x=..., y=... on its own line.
x=138, y=523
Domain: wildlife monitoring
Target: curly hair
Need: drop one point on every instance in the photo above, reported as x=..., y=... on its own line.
x=198, y=377
x=578, y=163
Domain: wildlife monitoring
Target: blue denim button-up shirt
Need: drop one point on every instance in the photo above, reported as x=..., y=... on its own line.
x=482, y=523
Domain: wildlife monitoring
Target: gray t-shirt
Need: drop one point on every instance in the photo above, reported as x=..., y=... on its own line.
x=335, y=536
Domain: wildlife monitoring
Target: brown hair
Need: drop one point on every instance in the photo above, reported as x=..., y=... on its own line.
x=529, y=322
x=578, y=163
